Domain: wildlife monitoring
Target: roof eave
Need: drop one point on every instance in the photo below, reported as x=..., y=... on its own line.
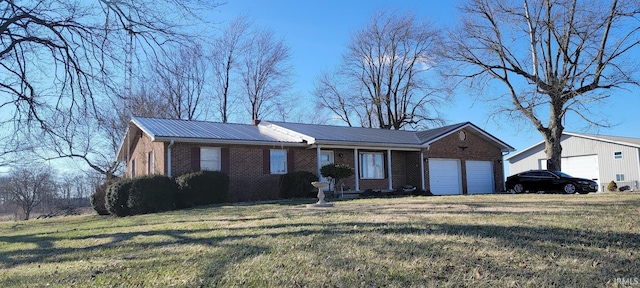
x=504, y=147
x=229, y=141
x=368, y=145
x=601, y=139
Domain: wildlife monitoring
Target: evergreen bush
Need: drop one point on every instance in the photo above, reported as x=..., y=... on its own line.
x=151, y=194
x=337, y=172
x=98, y=198
x=298, y=185
x=202, y=188
x=117, y=197
x=612, y=186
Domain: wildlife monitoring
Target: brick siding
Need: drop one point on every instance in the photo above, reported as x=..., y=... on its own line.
x=451, y=147
x=249, y=182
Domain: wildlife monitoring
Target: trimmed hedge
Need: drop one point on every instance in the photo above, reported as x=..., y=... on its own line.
x=150, y=194
x=140, y=195
x=202, y=188
x=298, y=185
x=98, y=198
x=117, y=197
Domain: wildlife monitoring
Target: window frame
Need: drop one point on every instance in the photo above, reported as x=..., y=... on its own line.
x=617, y=154
x=620, y=177
x=364, y=173
x=273, y=161
x=205, y=163
x=151, y=169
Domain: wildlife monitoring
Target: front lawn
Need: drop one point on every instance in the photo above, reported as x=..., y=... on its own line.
x=477, y=241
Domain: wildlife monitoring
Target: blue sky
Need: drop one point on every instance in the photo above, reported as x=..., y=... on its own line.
x=318, y=32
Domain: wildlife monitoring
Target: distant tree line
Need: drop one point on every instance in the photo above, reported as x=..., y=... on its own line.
x=38, y=189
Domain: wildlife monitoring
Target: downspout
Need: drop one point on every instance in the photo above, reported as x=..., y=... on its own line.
x=422, y=170
x=504, y=171
x=356, y=170
x=169, y=158
x=318, y=159
x=389, y=169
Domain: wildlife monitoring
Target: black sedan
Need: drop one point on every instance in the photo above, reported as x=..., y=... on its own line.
x=546, y=180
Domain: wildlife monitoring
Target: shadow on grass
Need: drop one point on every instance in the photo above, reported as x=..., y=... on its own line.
x=235, y=244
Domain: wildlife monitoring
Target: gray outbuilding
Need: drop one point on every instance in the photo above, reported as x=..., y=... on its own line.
x=597, y=157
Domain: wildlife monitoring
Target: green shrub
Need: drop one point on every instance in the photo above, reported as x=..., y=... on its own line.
x=151, y=194
x=336, y=172
x=117, y=197
x=612, y=186
x=98, y=198
x=202, y=188
x=298, y=185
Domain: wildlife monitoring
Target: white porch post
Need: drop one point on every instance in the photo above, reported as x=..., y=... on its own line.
x=356, y=169
x=389, y=169
x=319, y=158
x=422, y=169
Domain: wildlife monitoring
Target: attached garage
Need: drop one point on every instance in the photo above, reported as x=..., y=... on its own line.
x=479, y=177
x=445, y=177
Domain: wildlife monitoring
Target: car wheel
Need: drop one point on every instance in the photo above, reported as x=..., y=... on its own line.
x=518, y=188
x=569, y=188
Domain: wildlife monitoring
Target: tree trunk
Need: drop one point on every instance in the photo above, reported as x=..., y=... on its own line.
x=27, y=212
x=553, y=135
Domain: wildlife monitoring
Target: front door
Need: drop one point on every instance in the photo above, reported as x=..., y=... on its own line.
x=326, y=157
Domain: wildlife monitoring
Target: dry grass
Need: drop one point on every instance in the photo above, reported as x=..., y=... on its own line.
x=476, y=241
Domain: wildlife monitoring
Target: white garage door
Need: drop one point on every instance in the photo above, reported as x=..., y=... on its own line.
x=444, y=177
x=582, y=166
x=579, y=166
x=479, y=177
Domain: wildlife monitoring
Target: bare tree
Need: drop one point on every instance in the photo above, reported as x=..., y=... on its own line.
x=227, y=50
x=59, y=58
x=27, y=187
x=180, y=82
x=386, y=75
x=552, y=57
x=265, y=72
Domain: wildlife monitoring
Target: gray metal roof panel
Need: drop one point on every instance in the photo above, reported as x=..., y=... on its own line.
x=616, y=139
x=431, y=134
x=174, y=128
x=328, y=133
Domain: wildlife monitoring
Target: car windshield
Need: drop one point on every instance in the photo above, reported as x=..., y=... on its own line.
x=562, y=174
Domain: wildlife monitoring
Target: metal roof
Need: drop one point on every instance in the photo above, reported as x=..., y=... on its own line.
x=323, y=134
x=292, y=134
x=628, y=141
x=164, y=129
x=436, y=133
x=635, y=142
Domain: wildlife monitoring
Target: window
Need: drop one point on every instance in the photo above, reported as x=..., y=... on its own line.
x=371, y=166
x=617, y=155
x=619, y=177
x=210, y=159
x=150, y=164
x=133, y=168
x=278, y=161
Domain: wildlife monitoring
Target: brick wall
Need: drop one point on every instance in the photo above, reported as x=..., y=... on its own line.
x=140, y=147
x=451, y=147
x=249, y=182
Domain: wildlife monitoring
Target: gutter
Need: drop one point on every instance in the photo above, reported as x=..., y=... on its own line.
x=231, y=141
